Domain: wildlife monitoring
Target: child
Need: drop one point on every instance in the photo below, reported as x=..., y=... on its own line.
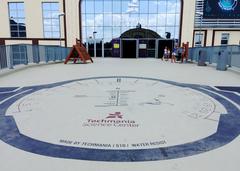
x=165, y=52
x=174, y=53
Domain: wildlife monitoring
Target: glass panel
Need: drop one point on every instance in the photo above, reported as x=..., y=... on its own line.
x=153, y=6
x=125, y=20
x=153, y=28
x=47, y=14
x=152, y=20
x=22, y=49
x=125, y=6
x=12, y=6
x=99, y=20
x=176, y=35
x=170, y=19
x=89, y=31
x=22, y=34
x=133, y=20
x=116, y=32
x=12, y=14
x=116, y=6
x=98, y=6
x=47, y=22
x=90, y=6
x=14, y=27
x=55, y=28
x=20, y=6
x=161, y=31
x=21, y=21
x=99, y=34
x=47, y=34
x=107, y=6
x=55, y=34
x=21, y=28
x=178, y=6
x=161, y=19
x=171, y=30
x=83, y=6
x=54, y=6
x=143, y=6
x=46, y=6
x=116, y=19
x=83, y=20
x=21, y=14
x=55, y=14
x=171, y=6
x=84, y=32
x=123, y=29
x=177, y=19
x=90, y=19
x=55, y=22
x=108, y=33
x=144, y=20
x=108, y=20
x=14, y=34
x=162, y=6
x=47, y=28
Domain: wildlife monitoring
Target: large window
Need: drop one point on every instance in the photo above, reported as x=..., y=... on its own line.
x=51, y=19
x=198, y=39
x=17, y=19
x=110, y=18
x=224, y=38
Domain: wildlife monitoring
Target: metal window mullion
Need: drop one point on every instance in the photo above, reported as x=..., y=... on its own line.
x=103, y=19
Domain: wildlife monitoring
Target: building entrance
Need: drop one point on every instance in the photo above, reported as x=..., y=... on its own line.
x=134, y=43
x=129, y=48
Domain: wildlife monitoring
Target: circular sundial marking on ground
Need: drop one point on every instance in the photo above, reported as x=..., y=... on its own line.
x=128, y=118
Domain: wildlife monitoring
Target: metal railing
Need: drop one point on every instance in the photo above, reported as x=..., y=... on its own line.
x=24, y=54
x=212, y=54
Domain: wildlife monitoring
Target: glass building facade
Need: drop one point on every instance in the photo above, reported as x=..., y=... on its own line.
x=110, y=18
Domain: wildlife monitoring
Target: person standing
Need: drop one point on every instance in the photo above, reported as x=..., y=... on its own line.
x=165, y=53
x=174, y=53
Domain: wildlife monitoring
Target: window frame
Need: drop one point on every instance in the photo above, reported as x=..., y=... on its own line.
x=52, y=18
x=19, y=33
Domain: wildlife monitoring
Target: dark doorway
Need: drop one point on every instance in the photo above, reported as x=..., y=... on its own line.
x=129, y=48
x=162, y=44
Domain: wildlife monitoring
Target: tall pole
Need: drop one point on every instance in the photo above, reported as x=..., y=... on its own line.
x=60, y=28
x=200, y=29
x=95, y=47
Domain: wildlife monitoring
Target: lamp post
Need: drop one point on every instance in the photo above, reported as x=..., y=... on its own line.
x=60, y=32
x=95, y=47
x=200, y=29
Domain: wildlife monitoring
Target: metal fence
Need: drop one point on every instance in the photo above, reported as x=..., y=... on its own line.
x=13, y=55
x=213, y=55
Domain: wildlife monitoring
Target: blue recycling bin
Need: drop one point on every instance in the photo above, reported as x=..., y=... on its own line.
x=202, y=58
x=222, y=60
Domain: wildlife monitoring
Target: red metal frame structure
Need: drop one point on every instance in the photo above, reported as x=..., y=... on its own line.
x=78, y=52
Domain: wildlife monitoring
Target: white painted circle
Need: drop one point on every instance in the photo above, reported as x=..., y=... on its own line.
x=117, y=113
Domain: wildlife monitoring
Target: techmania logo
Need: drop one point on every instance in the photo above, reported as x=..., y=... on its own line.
x=112, y=120
x=228, y=4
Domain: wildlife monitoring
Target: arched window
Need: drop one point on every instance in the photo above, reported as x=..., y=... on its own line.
x=110, y=18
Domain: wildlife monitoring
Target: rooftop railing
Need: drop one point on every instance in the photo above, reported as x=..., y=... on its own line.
x=230, y=55
x=24, y=54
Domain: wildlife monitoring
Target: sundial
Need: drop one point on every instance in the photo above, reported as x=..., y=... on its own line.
x=118, y=118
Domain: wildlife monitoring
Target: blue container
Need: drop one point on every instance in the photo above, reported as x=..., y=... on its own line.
x=222, y=60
